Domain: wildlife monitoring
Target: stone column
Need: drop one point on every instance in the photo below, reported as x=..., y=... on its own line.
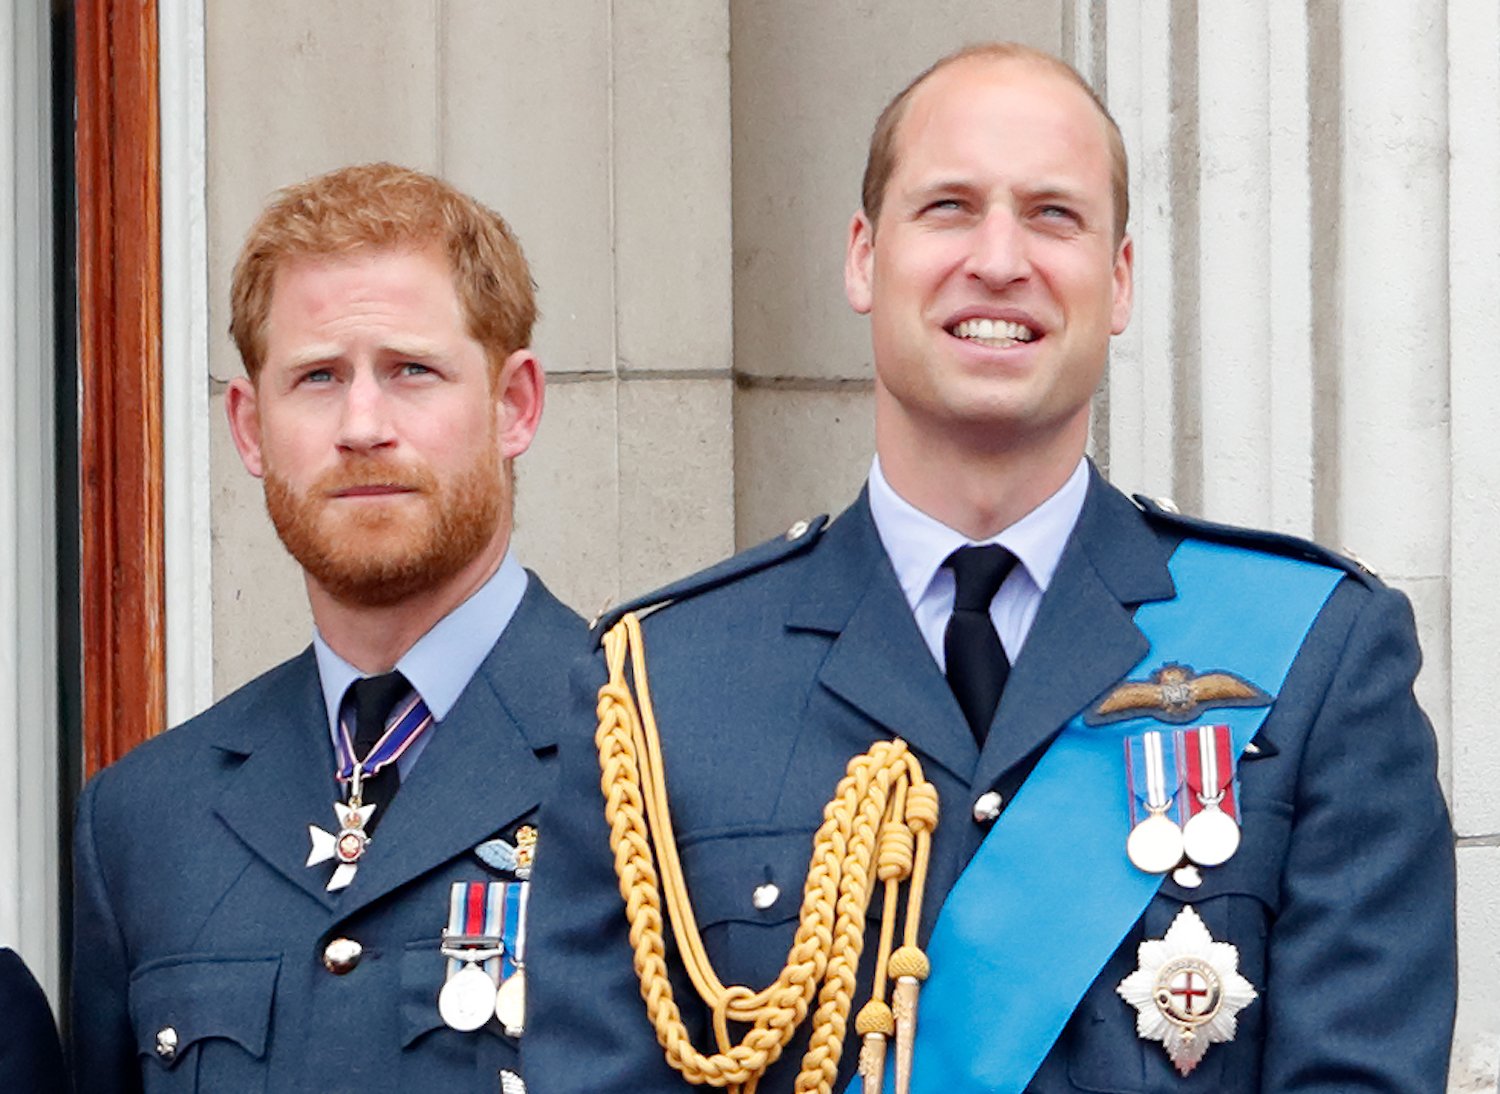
x=28, y=634
x=1473, y=240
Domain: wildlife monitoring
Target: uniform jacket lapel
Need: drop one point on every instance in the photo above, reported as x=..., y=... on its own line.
x=1084, y=637
x=285, y=780
x=481, y=771
x=1083, y=640
x=878, y=662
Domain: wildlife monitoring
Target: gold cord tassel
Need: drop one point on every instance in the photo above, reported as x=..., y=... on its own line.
x=909, y=966
x=878, y=823
x=874, y=1024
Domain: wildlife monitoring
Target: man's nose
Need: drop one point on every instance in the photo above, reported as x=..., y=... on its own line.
x=997, y=254
x=366, y=419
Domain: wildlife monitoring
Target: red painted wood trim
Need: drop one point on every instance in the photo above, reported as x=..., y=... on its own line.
x=119, y=311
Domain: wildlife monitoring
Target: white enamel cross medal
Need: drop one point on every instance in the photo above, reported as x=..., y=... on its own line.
x=348, y=844
x=1187, y=991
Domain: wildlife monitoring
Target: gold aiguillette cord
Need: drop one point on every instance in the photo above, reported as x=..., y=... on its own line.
x=881, y=816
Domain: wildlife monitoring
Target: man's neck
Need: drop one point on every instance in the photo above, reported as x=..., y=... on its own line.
x=974, y=489
x=373, y=638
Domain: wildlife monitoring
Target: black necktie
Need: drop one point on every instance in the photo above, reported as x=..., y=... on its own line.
x=373, y=699
x=977, y=666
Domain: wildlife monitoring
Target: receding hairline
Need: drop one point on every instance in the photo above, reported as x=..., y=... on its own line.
x=886, y=137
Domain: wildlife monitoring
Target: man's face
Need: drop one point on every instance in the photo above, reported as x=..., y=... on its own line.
x=383, y=443
x=992, y=280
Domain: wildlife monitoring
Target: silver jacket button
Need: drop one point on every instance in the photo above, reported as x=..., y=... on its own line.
x=341, y=956
x=987, y=806
x=166, y=1043
x=764, y=896
x=798, y=530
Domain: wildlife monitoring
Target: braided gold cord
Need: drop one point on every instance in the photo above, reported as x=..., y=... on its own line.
x=880, y=817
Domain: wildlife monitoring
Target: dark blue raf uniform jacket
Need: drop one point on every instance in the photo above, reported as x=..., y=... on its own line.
x=195, y=911
x=769, y=672
x=30, y=1058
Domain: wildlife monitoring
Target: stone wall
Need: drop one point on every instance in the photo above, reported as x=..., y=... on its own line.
x=1316, y=227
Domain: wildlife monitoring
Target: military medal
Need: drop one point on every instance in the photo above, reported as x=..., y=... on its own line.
x=510, y=1004
x=1211, y=835
x=515, y=859
x=467, y=998
x=350, y=842
x=1187, y=991
x=1155, y=841
x=473, y=943
x=510, y=1000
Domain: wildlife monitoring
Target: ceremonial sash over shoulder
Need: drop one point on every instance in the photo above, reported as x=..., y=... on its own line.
x=1008, y=969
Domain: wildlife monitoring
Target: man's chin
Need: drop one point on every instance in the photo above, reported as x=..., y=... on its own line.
x=367, y=584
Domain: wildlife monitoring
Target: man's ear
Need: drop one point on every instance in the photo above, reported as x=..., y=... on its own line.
x=1124, y=291
x=859, y=264
x=244, y=423
x=520, y=391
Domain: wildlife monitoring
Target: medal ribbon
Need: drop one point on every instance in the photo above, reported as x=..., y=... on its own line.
x=1008, y=965
x=1151, y=768
x=1209, y=760
x=478, y=909
x=413, y=720
x=516, y=899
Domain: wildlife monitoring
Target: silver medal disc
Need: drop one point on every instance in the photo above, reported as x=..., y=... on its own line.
x=1155, y=845
x=1211, y=837
x=510, y=1003
x=467, y=999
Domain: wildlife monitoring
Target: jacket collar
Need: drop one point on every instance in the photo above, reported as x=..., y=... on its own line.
x=1083, y=638
x=481, y=773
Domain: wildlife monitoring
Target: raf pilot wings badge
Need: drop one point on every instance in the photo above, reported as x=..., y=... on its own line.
x=1176, y=694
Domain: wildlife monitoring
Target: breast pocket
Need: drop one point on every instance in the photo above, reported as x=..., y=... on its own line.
x=746, y=892
x=202, y=1022
x=433, y=1056
x=1238, y=903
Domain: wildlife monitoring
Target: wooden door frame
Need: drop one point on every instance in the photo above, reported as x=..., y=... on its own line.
x=122, y=584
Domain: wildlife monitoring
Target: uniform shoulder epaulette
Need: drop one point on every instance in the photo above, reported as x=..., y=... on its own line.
x=794, y=541
x=1163, y=511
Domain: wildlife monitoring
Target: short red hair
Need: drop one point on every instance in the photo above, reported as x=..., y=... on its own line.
x=381, y=205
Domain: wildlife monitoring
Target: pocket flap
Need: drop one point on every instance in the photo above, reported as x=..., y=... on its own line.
x=1254, y=869
x=203, y=996
x=423, y=971
x=747, y=878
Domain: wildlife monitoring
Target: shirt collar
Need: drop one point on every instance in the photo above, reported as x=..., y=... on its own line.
x=444, y=660
x=918, y=544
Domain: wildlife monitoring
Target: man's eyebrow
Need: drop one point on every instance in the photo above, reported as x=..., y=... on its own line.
x=312, y=355
x=327, y=353
x=425, y=351
x=943, y=186
x=1058, y=191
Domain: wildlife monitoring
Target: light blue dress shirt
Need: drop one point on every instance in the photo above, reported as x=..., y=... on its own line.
x=443, y=661
x=917, y=545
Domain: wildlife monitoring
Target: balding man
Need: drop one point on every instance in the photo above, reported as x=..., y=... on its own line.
x=1131, y=802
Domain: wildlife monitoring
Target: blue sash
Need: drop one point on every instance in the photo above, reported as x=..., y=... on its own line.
x=1009, y=965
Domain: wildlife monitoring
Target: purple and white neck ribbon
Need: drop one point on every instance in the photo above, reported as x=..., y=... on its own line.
x=412, y=720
